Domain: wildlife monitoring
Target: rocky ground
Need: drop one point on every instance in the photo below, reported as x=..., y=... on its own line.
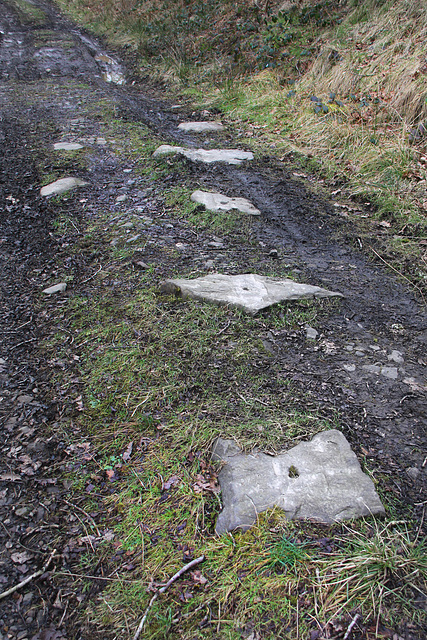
x=367, y=361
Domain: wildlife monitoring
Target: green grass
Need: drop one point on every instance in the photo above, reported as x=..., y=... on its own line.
x=169, y=376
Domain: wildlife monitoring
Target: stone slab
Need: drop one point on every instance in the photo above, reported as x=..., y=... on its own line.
x=230, y=156
x=320, y=480
x=67, y=146
x=218, y=202
x=56, y=288
x=248, y=291
x=61, y=186
x=201, y=127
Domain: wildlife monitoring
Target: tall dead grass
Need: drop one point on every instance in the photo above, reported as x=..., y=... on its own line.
x=382, y=54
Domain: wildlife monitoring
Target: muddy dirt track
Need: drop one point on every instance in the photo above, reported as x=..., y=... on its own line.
x=368, y=362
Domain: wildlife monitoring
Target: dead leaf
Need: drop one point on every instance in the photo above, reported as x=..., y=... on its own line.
x=198, y=577
x=173, y=480
x=79, y=403
x=108, y=536
x=110, y=474
x=128, y=452
x=58, y=601
x=20, y=557
x=206, y=484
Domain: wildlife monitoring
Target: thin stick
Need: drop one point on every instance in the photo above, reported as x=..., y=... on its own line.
x=351, y=625
x=4, y=594
x=92, y=276
x=399, y=273
x=15, y=346
x=177, y=575
x=86, y=514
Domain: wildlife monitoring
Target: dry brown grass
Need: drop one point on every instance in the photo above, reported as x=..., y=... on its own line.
x=383, y=55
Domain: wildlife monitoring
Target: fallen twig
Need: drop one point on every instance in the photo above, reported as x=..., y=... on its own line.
x=92, y=276
x=4, y=594
x=86, y=514
x=351, y=625
x=15, y=346
x=400, y=274
x=177, y=575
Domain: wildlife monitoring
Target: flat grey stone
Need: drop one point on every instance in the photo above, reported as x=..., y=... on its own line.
x=61, y=186
x=390, y=372
x=201, y=127
x=230, y=156
x=67, y=146
x=311, y=333
x=372, y=368
x=56, y=288
x=25, y=399
x=219, y=202
x=413, y=473
x=350, y=367
x=248, y=291
x=320, y=480
x=396, y=356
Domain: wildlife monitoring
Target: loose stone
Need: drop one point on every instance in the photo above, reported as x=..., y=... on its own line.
x=219, y=202
x=320, y=480
x=413, y=473
x=230, y=156
x=250, y=292
x=61, y=186
x=396, y=356
x=311, y=333
x=390, y=372
x=67, y=146
x=201, y=127
x=350, y=367
x=56, y=288
x=372, y=368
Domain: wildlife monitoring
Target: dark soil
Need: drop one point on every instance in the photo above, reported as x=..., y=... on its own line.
x=382, y=408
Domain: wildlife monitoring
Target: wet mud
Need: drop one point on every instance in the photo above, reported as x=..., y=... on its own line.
x=367, y=362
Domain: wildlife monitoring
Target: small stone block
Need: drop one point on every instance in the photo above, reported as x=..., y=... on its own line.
x=201, y=127
x=56, y=288
x=230, y=156
x=61, y=186
x=67, y=146
x=219, y=202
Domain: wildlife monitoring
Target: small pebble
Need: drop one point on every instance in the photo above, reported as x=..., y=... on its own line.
x=350, y=367
x=311, y=333
x=413, y=473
